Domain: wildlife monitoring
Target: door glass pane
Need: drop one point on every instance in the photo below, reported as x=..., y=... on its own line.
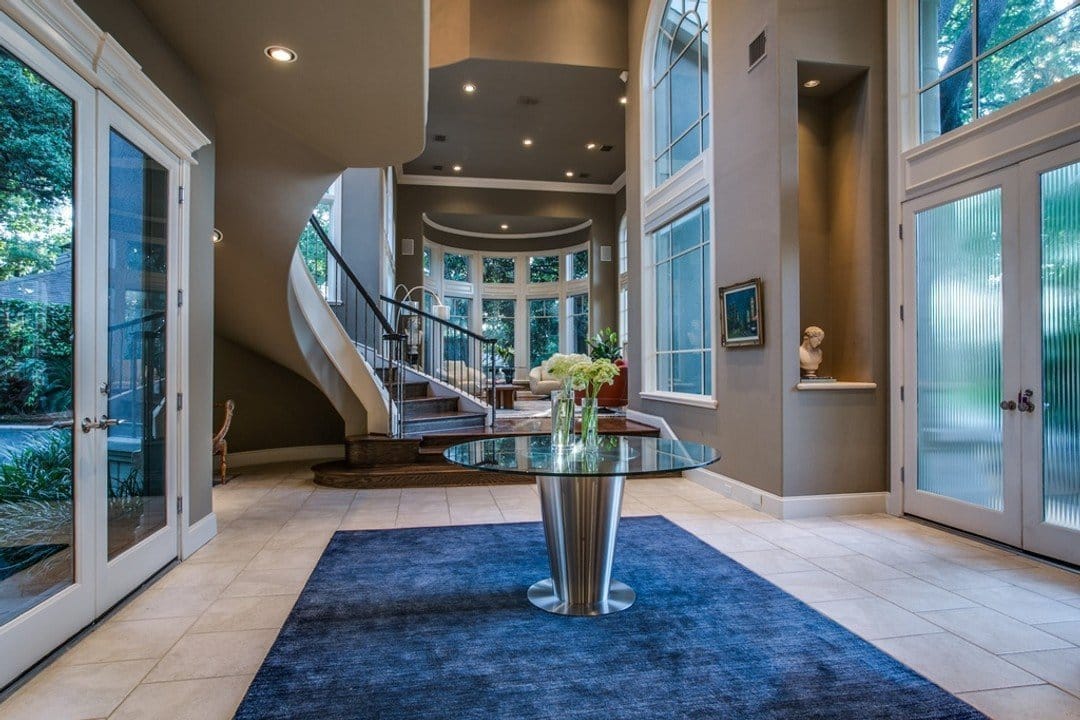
x=579, y=323
x=1061, y=345
x=36, y=339
x=138, y=272
x=959, y=349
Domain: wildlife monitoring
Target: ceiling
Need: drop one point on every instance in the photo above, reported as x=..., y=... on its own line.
x=356, y=118
x=516, y=224
x=560, y=107
x=832, y=77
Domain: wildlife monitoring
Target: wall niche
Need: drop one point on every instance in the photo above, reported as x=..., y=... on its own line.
x=836, y=283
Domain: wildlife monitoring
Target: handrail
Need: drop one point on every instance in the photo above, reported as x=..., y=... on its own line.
x=388, y=329
x=422, y=313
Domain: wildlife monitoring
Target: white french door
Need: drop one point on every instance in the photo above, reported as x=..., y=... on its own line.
x=135, y=426
x=992, y=370
x=88, y=357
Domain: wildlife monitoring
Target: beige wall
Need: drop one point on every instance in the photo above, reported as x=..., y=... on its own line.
x=124, y=21
x=275, y=407
x=770, y=435
x=414, y=200
x=567, y=32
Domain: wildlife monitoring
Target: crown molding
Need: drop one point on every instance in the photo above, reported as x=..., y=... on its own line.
x=71, y=35
x=505, y=236
x=506, y=184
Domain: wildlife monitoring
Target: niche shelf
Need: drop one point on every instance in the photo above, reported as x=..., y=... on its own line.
x=836, y=221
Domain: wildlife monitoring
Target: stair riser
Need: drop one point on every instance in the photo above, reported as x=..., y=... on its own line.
x=427, y=406
x=419, y=427
x=364, y=453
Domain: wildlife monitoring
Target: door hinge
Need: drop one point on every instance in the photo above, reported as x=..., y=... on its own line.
x=901, y=229
x=179, y=505
x=180, y=195
x=179, y=402
x=901, y=313
x=901, y=393
x=901, y=474
x=179, y=298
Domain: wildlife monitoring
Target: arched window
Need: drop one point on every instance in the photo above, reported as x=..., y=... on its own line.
x=680, y=86
x=676, y=329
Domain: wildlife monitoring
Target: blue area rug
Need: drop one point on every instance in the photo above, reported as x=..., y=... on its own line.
x=434, y=623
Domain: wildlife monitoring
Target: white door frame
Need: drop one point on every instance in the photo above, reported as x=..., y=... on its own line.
x=1041, y=537
x=1004, y=525
x=119, y=576
x=48, y=624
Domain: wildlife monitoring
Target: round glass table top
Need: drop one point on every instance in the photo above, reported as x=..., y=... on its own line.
x=617, y=455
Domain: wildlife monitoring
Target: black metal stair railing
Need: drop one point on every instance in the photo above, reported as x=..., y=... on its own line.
x=375, y=338
x=446, y=351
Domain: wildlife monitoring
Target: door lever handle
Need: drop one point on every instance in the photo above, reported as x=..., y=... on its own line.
x=1023, y=401
x=101, y=424
x=1008, y=404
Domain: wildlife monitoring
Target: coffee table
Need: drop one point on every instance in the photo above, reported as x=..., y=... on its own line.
x=580, y=502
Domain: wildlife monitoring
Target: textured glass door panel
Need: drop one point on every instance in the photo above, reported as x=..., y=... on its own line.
x=138, y=254
x=1061, y=345
x=959, y=334
x=37, y=472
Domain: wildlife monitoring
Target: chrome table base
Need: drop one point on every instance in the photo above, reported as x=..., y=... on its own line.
x=581, y=518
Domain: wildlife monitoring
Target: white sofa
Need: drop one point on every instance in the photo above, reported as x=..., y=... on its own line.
x=542, y=383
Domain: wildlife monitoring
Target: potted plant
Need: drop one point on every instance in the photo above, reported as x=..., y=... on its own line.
x=604, y=345
x=506, y=357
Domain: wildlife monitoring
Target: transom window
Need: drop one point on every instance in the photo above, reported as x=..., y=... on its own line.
x=978, y=56
x=544, y=268
x=499, y=270
x=680, y=87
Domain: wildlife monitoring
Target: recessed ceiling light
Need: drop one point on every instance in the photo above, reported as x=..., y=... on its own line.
x=527, y=142
x=457, y=168
x=469, y=87
x=569, y=173
x=280, y=54
x=216, y=236
x=590, y=146
x=504, y=226
x=811, y=83
x=622, y=100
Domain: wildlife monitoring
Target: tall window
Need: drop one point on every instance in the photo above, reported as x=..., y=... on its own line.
x=683, y=362
x=578, y=307
x=676, y=254
x=977, y=56
x=322, y=267
x=624, y=283
x=543, y=329
x=680, y=87
x=490, y=291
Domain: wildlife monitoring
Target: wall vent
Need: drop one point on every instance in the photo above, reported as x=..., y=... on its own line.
x=437, y=167
x=757, y=51
x=607, y=148
x=583, y=175
x=438, y=138
x=528, y=100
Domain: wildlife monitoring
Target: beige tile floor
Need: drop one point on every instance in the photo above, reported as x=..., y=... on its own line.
x=999, y=629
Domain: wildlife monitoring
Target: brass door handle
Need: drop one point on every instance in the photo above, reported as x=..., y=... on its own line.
x=1008, y=404
x=103, y=423
x=1023, y=401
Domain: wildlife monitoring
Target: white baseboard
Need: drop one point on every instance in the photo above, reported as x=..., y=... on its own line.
x=791, y=507
x=198, y=534
x=655, y=420
x=286, y=454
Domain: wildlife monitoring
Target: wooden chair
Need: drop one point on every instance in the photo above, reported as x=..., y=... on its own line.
x=220, y=446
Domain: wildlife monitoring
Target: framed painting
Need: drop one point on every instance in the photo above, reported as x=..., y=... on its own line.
x=742, y=319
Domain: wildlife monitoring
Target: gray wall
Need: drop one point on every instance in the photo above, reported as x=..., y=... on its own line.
x=131, y=28
x=771, y=436
x=414, y=200
x=275, y=407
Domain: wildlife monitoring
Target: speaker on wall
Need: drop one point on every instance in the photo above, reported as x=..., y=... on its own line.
x=408, y=247
x=605, y=253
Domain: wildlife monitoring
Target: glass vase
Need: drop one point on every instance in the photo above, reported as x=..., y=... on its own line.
x=590, y=415
x=562, y=419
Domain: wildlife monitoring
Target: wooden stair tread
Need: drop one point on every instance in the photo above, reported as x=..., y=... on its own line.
x=448, y=415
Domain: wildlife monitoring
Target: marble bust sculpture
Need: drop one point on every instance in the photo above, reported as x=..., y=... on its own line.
x=810, y=351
